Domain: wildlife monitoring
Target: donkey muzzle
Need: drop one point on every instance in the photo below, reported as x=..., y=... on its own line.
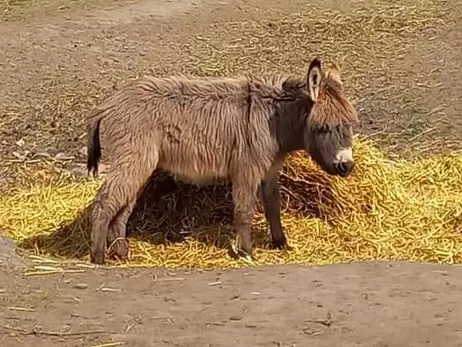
x=344, y=168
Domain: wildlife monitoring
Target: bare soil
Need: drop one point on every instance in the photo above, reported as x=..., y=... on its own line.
x=58, y=57
x=360, y=304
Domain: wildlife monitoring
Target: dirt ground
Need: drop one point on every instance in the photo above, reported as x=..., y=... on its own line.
x=362, y=304
x=58, y=57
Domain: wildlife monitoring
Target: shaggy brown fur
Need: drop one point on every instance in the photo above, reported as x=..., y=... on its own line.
x=209, y=130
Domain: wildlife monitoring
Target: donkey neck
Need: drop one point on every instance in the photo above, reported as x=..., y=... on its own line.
x=289, y=123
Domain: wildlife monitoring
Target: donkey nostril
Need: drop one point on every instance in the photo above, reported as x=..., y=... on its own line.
x=344, y=168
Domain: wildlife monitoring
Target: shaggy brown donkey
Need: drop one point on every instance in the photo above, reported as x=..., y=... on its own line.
x=212, y=129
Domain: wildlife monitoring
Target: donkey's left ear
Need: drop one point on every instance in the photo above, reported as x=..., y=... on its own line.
x=314, y=79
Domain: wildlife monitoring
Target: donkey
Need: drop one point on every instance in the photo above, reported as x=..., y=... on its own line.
x=203, y=130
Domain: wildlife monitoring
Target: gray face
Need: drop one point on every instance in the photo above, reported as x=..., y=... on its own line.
x=332, y=148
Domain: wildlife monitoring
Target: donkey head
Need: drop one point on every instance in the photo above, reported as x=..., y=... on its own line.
x=329, y=133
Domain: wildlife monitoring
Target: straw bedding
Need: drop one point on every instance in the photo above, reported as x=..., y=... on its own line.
x=388, y=209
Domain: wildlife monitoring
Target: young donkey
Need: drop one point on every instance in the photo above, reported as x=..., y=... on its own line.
x=215, y=129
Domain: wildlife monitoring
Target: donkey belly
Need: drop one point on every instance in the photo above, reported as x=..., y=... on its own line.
x=199, y=180
x=196, y=166
x=192, y=174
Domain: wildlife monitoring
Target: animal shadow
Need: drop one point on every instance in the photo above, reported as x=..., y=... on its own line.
x=170, y=212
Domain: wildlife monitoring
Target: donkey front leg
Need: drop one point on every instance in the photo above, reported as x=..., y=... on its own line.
x=244, y=199
x=271, y=200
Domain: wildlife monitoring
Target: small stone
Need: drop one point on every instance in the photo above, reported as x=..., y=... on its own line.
x=20, y=142
x=83, y=150
x=81, y=286
x=18, y=155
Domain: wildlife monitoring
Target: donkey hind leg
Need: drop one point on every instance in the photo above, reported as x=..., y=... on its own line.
x=117, y=242
x=271, y=200
x=244, y=199
x=115, y=200
x=100, y=219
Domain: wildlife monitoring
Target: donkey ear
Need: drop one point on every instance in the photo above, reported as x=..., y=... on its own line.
x=314, y=79
x=336, y=65
x=334, y=73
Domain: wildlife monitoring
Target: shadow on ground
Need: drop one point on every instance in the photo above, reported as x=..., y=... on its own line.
x=169, y=212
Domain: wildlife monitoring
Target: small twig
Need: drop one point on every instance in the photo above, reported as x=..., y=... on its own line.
x=167, y=279
x=48, y=270
x=111, y=289
x=22, y=309
x=36, y=258
x=218, y=324
x=312, y=332
x=421, y=134
x=53, y=333
x=110, y=344
x=326, y=322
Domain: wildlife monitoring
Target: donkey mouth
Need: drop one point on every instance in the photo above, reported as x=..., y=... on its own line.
x=329, y=169
x=344, y=169
x=337, y=169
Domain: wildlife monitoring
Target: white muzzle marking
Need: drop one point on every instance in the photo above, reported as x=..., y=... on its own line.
x=344, y=155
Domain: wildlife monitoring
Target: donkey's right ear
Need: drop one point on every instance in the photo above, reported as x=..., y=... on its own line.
x=314, y=79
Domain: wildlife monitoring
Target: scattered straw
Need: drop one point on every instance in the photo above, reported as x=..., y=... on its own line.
x=52, y=333
x=397, y=210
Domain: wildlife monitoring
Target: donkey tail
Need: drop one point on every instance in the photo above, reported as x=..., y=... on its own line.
x=94, y=147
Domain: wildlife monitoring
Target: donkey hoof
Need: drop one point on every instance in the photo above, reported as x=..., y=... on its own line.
x=242, y=254
x=118, y=249
x=281, y=243
x=97, y=258
x=248, y=259
x=245, y=256
x=121, y=255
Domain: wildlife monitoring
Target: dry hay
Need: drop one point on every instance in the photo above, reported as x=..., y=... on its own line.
x=389, y=209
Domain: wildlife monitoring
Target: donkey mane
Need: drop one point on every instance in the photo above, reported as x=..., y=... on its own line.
x=196, y=87
x=331, y=109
